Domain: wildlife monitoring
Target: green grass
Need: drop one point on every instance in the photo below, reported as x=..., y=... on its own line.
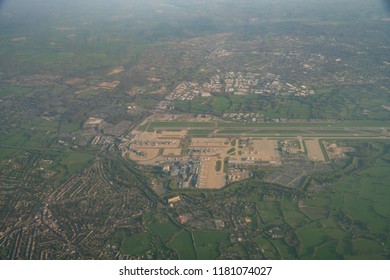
x=233, y=131
x=136, y=244
x=329, y=131
x=38, y=140
x=179, y=124
x=316, y=209
x=208, y=242
x=284, y=131
x=199, y=132
x=226, y=164
x=267, y=248
x=200, y=107
x=239, y=250
x=183, y=245
x=165, y=230
x=231, y=151
x=220, y=104
x=15, y=139
x=218, y=166
x=366, y=249
x=378, y=172
x=6, y=153
x=327, y=251
x=310, y=236
x=74, y=161
x=286, y=252
x=295, y=128
x=291, y=213
x=14, y=91
x=365, y=195
x=324, y=152
x=362, y=210
x=270, y=212
x=146, y=102
x=70, y=127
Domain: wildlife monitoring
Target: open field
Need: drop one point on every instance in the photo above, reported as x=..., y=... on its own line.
x=266, y=150
x=208, y=243
x=178, y=124
x=314, y=150
x=172, y=152
x=182, y=243
x=137, y=244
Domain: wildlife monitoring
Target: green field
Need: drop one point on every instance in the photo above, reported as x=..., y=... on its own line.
x=165, y=229
x=178, y=124
x=199, y=132
x=218, y=166
x=182, y=243
x=136, y=245
x=208, y=243
x=310, y=236
x=14, y=91
x=292, y=215
x=74, y=161
x=270, y=212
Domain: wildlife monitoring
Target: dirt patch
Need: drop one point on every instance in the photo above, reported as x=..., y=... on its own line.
x=258, y=151
x=109, y=85
x=265, y=150
x=75, y=81
x=154, y=79
x=172, y=152
x=314, y=151
x=116, y=70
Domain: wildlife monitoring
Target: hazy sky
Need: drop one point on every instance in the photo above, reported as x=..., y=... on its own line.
x=93, y=11
x=57, y=5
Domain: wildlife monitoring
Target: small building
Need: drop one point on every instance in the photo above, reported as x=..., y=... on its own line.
x=174, y=199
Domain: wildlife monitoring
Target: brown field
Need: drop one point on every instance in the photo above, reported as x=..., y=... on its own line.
x=154, y=79
x=109, y=85
x=314, y=151
x=75, y=81
x=258, y=150
x=172, y=152
x=266, y=150
x=116, y=70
